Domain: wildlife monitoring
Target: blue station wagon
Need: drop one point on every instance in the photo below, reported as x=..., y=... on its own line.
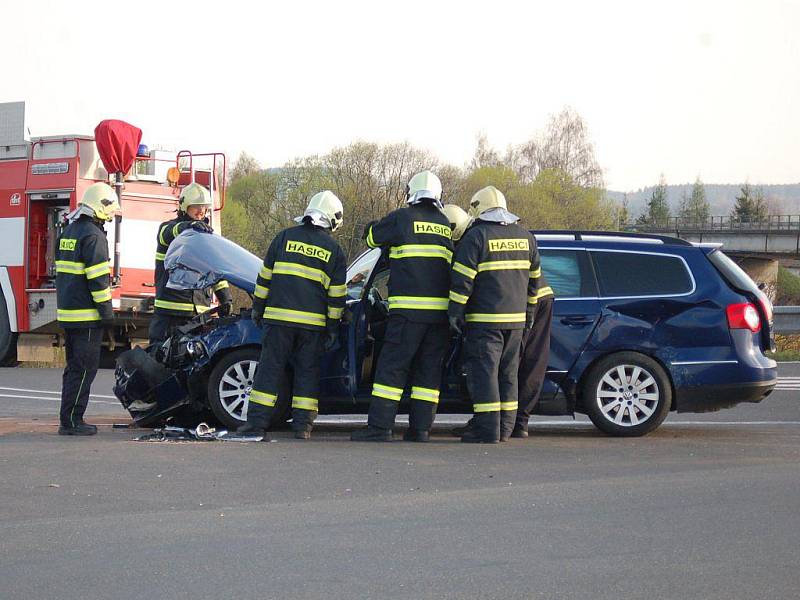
x=642, y=325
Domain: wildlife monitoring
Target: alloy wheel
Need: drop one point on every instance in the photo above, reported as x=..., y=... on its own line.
x=627, y=395
x=234, y=388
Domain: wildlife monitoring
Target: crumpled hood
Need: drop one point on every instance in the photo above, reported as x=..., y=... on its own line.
x=197, y=260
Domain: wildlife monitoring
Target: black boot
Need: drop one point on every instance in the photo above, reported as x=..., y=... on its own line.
x=459, y=431
x=472, y=437
x=371, y=434
x=519, y=431
x=80, y=428
x=302, y=434
x=417, y=435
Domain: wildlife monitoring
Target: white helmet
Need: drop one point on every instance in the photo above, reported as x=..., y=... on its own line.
x=424, y=185
x=485, y=199
x=459, y=220
x=101, y=199
x=194, y=194
x=326, y=205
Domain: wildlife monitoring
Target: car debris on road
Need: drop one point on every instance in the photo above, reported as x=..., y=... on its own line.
x=201, y=433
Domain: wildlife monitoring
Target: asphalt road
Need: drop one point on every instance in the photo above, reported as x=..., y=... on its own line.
x=708, y=506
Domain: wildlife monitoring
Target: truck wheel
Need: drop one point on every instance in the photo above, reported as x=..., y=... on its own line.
x=229, y=387
x=627, y=394
x=8, y=339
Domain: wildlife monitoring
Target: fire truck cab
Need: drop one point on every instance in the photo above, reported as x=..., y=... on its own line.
x=41, y=180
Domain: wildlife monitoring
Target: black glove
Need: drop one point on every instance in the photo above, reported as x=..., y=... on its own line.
x=202, y=227
x=257, y=314
x=456, y=324
x=225, y=309
x=331, y=338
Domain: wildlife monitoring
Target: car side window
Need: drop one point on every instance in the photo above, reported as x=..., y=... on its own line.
x=568, y=272
x=623, y=274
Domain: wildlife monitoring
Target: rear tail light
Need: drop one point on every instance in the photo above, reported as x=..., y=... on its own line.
x=743, y=316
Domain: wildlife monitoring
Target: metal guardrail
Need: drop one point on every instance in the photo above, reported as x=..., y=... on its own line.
x=722, y=223
x=787, y=319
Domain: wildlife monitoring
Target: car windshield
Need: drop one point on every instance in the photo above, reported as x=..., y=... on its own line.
x=198, y=260
x=359, y=271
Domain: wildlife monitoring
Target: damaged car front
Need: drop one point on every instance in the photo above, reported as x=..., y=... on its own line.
x=171, y=378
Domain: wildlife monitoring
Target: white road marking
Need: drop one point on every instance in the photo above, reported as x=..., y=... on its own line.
x=11, y=389
x=53, y=399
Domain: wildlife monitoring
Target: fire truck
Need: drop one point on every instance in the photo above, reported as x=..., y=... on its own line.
x=41, y=181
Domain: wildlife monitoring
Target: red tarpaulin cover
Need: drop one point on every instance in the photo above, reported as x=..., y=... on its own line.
x=117, y=143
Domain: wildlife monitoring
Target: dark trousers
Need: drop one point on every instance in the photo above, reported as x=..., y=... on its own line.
x=533, y=361
x=413, y=353
x=492, y=365
x=282, y=346
x=161, y=326
x=83, y=358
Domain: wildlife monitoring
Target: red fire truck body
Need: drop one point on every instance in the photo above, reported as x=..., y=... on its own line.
x=39, y=185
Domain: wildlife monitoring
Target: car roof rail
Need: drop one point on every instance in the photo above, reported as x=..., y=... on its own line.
x=580, y=235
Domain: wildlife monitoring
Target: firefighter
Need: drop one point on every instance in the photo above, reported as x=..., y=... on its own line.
x=420, y=248
x=491, y=299
x=175, y=307
x=459, y=220
x=300, y=295
x=83, y=298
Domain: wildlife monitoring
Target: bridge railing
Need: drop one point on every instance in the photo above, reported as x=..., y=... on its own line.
x=721, y=223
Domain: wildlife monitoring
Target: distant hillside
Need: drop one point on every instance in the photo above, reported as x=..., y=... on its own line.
x=783, y=199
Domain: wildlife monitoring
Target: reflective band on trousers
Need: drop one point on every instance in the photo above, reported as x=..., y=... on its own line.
x=418, y=302
x=72, y=316
x=337, y=291
x=460, y=298
x=387, y=391
x=262, y=398
x=102, y=295
x=420, y=251
x=167, y=305
x=464, y=270
x=509, y=405
x=298, y=270
x=261, y=291
x=98, y=270
x=68, y=266
x=486, y=407
x=504, y=265
x=495, y=318
x=305, y=403
x=426, y=394
x=294, y=316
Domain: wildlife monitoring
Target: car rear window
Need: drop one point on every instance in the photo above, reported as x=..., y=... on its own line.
x=733, y=273
x=568, y=272
x=640, y=274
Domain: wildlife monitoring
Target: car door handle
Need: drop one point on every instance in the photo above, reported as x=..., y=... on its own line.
x=577, y=321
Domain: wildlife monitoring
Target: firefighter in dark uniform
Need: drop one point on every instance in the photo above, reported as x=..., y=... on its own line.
x=83, y=298
x=419, y=246
x=535, y=354
x=174, y=308
x=491, y=294
x=300, y=295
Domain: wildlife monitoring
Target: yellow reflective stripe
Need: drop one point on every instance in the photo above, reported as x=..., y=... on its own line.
x=496, y=317
x=262, y=398
x=337, y=291
x=184, y=306
x=72, y=316
x=294, y=316
x=426, y=394
x=420, y=251
x=387, y=391
x=261, y=291
x=265, y=273
x=504, y=265
x=161, y=236
x=509, y=405
x=533, y=300
x=290, y=268
x=102, y=295
x=486, y=407
x=175, y=230
x=464, y=270
x=536, y=273
x=221, y=286
x=460, y=298
x=541, y=293
x=201, y=308
x=161, y=255
x=418, y=302
x=335, y=313
x=305, y=403
x=67, y=266
x=98, y=270
x=370, y=240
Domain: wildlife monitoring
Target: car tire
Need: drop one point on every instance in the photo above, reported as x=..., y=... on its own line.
x=8, y=339
x=229, y=405
x=627, y=394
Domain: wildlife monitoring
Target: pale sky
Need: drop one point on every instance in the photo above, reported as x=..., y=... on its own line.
x=684, y=88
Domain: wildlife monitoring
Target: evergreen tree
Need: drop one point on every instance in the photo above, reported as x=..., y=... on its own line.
x=696, y=210
x=657, y=207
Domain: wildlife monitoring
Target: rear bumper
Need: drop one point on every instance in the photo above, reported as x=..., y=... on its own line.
x=709, y=398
